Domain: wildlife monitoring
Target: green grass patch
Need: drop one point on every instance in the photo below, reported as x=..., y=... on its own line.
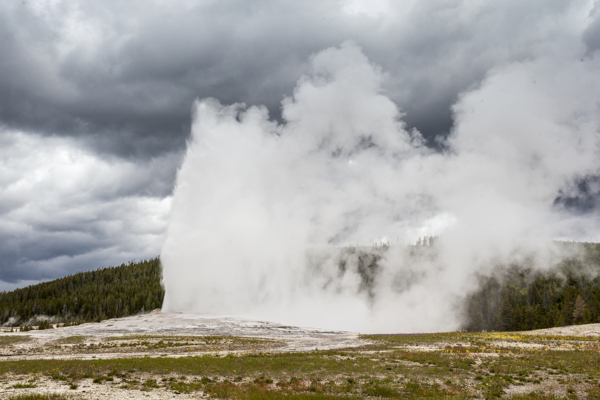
x=253, y=391
x=9, y=340
x=71, y=340
x=187, y=387
x=24, y=385
x=40, y=396
x=230, y=366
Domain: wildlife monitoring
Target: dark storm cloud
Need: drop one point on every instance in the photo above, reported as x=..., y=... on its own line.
x=126, y=74
x=583, y=195
x=132, y=91
x=591, y=36
x=96, y=97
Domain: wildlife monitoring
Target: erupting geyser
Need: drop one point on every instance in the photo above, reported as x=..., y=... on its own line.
x=278, y=221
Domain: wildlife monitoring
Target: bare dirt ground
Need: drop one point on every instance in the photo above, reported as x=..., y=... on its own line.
x=588, y=330
x=138, y=336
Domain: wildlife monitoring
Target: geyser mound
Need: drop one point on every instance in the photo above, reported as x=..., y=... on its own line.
x=271, y=220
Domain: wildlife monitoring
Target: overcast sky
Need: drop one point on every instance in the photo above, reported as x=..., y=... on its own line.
x=96, y=98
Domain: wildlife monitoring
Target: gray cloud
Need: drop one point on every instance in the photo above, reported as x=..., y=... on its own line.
x=116, y=81
x=127, y=74
x=66, y=209
x=581, y=196
x=591, y=36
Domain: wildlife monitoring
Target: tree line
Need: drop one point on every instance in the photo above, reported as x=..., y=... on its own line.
x=111, y=292
x=519, y=298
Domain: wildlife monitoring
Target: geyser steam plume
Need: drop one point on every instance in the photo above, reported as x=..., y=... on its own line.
x=267, y=217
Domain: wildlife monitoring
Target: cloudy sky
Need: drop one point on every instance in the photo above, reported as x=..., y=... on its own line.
x=96, y=98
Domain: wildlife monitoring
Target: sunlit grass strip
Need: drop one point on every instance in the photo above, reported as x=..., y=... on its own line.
x=299, y=364
x=40, y=396
x=419, y=337
x=260, y=392
x=275, y=364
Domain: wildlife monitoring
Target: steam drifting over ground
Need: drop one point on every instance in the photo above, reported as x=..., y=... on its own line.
x=271, y=221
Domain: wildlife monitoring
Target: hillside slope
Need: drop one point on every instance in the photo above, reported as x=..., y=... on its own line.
x=87, y=296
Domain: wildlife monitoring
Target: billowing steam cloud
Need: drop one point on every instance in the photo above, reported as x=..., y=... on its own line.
x=271, y=220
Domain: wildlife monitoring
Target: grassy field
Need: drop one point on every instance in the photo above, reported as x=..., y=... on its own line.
x=427, y=366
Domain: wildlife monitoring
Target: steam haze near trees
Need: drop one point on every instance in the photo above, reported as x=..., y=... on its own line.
x=264, y=214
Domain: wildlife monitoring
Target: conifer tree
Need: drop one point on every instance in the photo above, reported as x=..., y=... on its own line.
x=579, y=310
